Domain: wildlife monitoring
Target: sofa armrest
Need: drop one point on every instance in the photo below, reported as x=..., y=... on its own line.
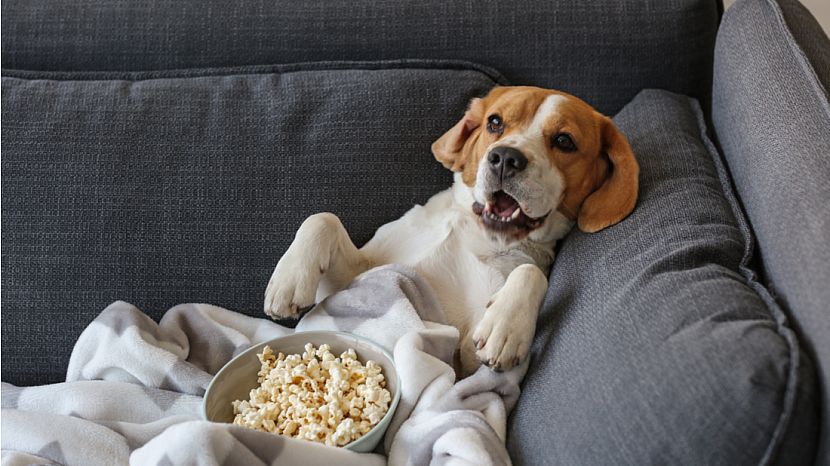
x=771, y=115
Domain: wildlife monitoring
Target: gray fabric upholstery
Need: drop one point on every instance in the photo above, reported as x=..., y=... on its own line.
x=772, y=117
x=655, y=345
x=165, y=152
x=604, y=51
x=189, y=189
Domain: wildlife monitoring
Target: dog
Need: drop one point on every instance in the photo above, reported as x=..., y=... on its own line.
x=529, y=163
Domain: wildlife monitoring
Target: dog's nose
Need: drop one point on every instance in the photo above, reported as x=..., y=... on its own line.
x=506, y=162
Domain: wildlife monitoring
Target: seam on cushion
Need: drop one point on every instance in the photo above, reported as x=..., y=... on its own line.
x=751, y=277
x=446, y=65
x=801, y=57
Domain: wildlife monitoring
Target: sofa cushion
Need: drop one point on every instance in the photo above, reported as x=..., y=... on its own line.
x=772, y=117
x=655, y=345
x=604, y=51
x=174, y=187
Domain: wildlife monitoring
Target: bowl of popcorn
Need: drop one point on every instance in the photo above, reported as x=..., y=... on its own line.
x=332, y=387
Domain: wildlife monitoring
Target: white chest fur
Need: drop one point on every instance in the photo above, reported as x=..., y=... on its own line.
x=489, y=291
x=444, y=243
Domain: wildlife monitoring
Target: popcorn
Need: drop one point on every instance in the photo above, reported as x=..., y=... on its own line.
x=316, y=396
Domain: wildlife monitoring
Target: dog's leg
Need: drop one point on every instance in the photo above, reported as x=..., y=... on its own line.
x=504, y=335
x=322, y=250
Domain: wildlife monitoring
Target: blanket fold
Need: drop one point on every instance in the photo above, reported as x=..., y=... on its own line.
x=134, y=388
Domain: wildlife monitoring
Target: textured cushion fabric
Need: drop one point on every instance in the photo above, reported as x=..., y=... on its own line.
x=177, y=187
x=655, y=345
x=772, y=117
x=604, y=51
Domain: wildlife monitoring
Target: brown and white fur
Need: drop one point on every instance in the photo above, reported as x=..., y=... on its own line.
x=528, y=164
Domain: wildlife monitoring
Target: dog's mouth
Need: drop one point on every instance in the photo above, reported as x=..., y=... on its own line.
x=504, y=214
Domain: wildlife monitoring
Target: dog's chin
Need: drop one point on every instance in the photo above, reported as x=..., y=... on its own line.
x=503, y=219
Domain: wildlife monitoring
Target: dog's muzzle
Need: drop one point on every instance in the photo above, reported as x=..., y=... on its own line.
x=502, y=214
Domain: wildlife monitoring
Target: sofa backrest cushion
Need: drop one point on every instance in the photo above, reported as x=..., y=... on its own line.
x=772, y=117
x=166, y=188
x=656, y=345
x=603, y=51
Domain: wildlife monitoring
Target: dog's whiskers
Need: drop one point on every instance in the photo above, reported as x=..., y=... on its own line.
x=568, y=209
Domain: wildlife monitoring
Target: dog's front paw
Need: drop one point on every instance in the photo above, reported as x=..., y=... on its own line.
x=292, y=288
x=503, y=338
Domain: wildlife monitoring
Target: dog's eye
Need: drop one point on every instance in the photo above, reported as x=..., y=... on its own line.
x=495, y=124
x=564, y=142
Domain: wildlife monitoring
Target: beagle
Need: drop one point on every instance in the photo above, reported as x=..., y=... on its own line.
x=528, y=163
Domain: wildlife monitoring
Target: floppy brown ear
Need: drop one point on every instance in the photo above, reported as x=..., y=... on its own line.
x=615, y=199
x=448, y=148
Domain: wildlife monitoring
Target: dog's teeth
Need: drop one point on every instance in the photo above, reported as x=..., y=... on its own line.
x=488, y=206
x=516, y=213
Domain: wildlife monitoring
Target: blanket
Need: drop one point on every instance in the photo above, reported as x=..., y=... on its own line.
x=134, y=388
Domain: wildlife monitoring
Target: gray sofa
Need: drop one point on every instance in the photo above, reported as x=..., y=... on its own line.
x=165, y=152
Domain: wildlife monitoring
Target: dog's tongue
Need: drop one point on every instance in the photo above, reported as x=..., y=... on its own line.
x=503, y=213
x=504, y=205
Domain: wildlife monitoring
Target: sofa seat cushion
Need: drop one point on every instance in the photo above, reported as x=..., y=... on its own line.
x=162, y=188
x=655, y=344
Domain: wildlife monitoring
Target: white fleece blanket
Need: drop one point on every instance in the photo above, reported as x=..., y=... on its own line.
x=134, y=388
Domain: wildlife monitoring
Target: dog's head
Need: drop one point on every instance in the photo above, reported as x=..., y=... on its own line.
x=527, y=152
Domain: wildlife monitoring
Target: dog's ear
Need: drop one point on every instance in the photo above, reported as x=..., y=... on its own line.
x=615, y=199
x=449, y=148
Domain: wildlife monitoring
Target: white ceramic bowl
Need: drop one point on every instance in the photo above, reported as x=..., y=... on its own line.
x=239, y=376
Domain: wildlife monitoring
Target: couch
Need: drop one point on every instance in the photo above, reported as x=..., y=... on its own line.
x=165, y=152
